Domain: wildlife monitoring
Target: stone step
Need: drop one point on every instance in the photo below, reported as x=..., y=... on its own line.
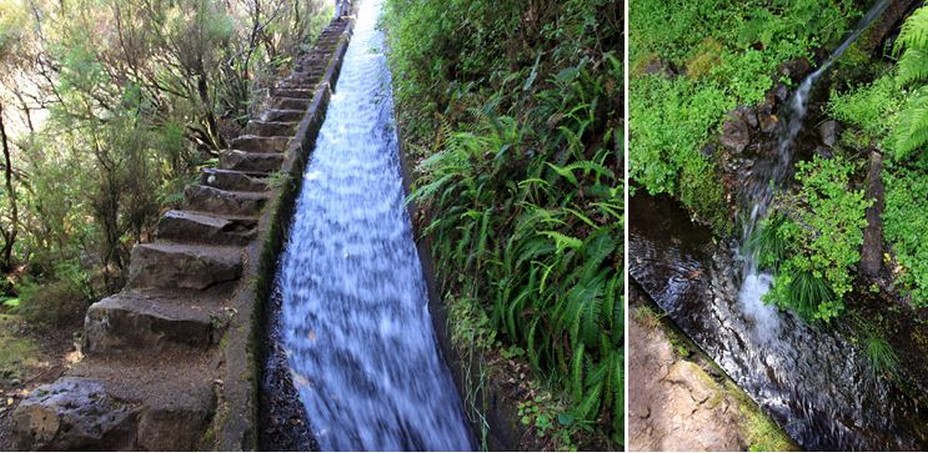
x=285, y=103
x=142, y=321
x=224, y=202
x=256, y=144
x=248, y=162
x=299, y=93
x=294, y=115
x=232, y=180
x=187, y=226
x=270, y=128
x=122, y=402
x=168, y=265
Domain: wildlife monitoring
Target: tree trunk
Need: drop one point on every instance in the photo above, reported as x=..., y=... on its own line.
x=8, y=235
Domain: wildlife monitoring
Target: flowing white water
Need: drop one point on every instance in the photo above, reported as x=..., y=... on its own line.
x=767, y=179
x=355, y=321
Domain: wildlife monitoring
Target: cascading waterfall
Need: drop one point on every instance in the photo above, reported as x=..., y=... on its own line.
x=766, y=179
x=355, y=321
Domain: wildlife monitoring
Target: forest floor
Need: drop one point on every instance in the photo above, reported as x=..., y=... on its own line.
x=29, y=357
x=679, y=400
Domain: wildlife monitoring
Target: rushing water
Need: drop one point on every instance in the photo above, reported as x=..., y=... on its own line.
x=769, y=176
x=815, y=383
x=355, y=321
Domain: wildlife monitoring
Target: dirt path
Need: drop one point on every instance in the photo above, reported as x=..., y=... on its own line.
x=676, y=405
x=28, y=359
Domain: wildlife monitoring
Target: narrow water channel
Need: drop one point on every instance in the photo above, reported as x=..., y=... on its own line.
x=355, y=323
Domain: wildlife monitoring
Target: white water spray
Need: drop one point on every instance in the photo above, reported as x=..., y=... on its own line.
x=756, y=283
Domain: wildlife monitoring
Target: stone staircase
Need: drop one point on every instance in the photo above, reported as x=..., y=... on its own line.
x=169, y=361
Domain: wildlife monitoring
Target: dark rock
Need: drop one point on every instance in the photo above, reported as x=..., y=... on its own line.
x=828, y=131
x=212, y=200
x=781, y=92
x=795, y=69
x=256, y=144
x=657, y=66
x=871, y=255
x=708, y=150
x=285, y=103
x=824, y=152
x=232, y=180
x=185, y=226
x=136, y=321
x=299, y=93
x=74, y=414
x=748, y=115
x=736, y=135
x=183, y=266
x=255, y=163
x=270, y=128
x=283, y=115
x=768, y=123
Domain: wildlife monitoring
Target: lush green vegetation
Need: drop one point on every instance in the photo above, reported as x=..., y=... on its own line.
x=888, y=113
x=812, y=240
x=693, y=61
x=512, y=113
x=107, y=109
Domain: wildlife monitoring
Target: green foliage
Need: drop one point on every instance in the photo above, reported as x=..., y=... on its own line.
x=671, y=121
x=514, y=113
x=871, y=111
x=883, y=359
x=731, y=51
x=905, y=228
x=59, y=300
x=911, y=133
x=813, y=239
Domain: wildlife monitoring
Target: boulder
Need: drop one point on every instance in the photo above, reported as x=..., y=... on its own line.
x=828, y=132
x=74, y=414
x=736, y=134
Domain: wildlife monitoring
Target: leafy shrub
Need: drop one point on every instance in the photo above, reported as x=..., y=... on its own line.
x=819, y=231
x=905, y=228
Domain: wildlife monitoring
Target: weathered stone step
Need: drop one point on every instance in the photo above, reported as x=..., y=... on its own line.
x=283, y=115
x=270, y=128
x=299, y=93
x=167, y=265
x=232, y=180
x=249, y=162
x=256, y=144
x=142, y=321
x=122, y=402
x=188, y=226
x=224, y=202
x=285, y=103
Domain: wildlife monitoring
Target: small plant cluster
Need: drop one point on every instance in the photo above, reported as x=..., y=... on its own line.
x=513, y=112
x=812, y=240
x=889, y=113
x=693, y=61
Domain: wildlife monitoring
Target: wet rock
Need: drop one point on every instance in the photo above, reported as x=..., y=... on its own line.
x=781, y=92
x=768, y=123
x=748, y=115
x=824, y=152
x=73, y=414
x=871, y=256
x=828, y=132
x=657, y=66
x=736, y=134
x=708, y=150
x=795, y=69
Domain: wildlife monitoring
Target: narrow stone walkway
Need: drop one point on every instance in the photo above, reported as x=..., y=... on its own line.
x=157, y=361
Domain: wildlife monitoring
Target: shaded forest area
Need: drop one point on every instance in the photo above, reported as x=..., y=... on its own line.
x=107, y=110
x=511, y=113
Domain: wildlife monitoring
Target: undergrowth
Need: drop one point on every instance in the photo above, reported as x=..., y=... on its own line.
x=513, y=115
